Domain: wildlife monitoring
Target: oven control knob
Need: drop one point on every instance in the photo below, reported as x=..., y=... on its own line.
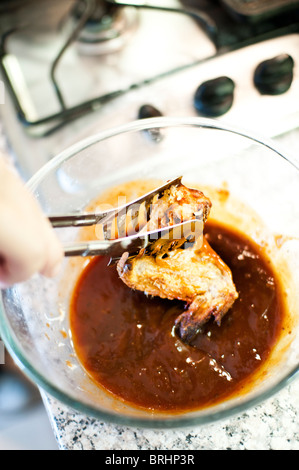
x=274, y=76
x=148, y=111
x=214, y=97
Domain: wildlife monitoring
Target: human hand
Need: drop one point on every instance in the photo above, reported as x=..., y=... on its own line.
x=28, y=244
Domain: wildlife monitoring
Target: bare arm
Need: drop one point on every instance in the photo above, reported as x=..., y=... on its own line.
x=28, y=243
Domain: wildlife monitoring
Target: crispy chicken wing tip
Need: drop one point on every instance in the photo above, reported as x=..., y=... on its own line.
x=192, y=321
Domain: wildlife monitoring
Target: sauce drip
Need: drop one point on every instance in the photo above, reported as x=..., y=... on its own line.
x=126, y=341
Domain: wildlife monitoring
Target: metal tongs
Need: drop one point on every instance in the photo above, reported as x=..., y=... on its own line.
x=124, y=243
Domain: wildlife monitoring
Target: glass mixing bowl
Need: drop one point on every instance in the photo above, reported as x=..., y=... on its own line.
x=253, y=186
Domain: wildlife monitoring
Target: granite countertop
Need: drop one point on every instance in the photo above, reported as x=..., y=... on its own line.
x=274, y=424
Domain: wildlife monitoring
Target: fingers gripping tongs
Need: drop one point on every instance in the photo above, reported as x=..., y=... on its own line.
x=132, y=244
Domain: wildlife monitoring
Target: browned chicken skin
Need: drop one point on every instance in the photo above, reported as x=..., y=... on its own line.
x=178, y=204
x=191, y=273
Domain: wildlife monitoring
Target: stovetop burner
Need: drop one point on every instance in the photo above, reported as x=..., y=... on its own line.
x=234, y=30
x=107, y=29
x=102, y=12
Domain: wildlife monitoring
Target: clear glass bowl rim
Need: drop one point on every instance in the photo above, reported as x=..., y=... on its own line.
x=173, y=421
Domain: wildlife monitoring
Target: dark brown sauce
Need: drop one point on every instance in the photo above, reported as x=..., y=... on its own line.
x=127, y=344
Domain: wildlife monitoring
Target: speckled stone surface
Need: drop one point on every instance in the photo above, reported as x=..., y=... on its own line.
x=272, y=425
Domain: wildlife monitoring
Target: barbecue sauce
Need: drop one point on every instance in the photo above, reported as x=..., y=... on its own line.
x=127, y=343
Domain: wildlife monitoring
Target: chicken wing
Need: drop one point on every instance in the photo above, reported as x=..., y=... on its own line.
x=194, y=274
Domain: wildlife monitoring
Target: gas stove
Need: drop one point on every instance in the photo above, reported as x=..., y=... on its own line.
x=75, y=67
